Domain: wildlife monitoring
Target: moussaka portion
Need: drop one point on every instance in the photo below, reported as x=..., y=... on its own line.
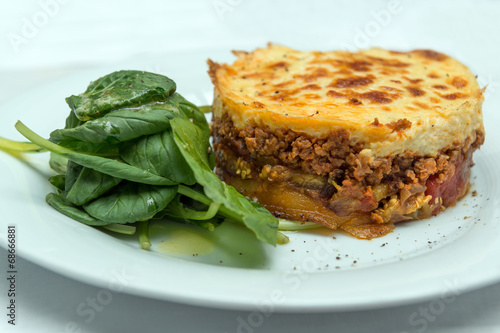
x=352, y=140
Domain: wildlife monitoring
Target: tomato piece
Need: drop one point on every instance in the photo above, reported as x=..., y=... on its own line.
x=453, y=187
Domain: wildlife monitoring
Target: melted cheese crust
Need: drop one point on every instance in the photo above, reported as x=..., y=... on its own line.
x=416, y=102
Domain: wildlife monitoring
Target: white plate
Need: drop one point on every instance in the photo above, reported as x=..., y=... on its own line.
x=317, y=271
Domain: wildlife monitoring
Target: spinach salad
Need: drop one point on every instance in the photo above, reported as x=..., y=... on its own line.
x=133, y=150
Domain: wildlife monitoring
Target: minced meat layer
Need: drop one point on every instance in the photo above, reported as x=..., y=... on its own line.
x=320, y=166
x=334, y=156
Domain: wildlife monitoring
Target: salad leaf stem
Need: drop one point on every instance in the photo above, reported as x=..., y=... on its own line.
x=205, y=108
x=21, y=147
x=189, y=192
x=38, y=140
x=297, y=225
x=282, y=238
x=143, y=233
x=211, y=212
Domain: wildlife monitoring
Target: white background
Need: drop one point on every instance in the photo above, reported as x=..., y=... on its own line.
x=41, y=41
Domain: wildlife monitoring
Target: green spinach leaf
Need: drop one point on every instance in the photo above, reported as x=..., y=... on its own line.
x=101, y=149
x=76, y=213
x=118, y=126
x=88, y=185
x=188, y=110
x=118, y=169
x=58, y=181
x=158, y=154
x=193, y=145
x=191, y=112
x=57, y=162
x=131, y=202
x=72, y=121
x=121, y=89
x=73, y=170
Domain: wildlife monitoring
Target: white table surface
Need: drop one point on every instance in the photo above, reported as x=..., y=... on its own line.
x=75, y=35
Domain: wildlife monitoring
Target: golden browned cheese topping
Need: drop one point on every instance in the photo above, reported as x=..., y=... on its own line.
x=391, y=102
